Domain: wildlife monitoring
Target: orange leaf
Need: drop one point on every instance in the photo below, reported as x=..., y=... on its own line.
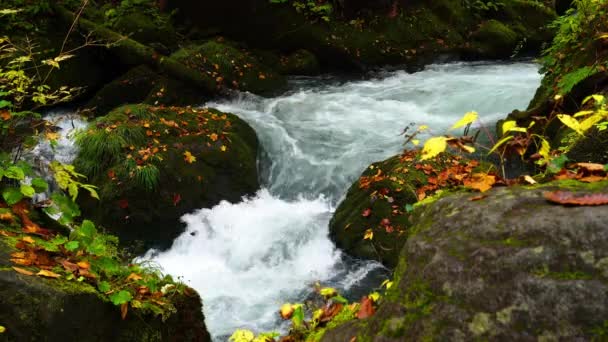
x=48, y=274
x=5, y=115
x=367, y=308
x=23, y=271
x=567, y=197
x=480, y=181
x=592, y=179
x=134, y=276
x=84, y=264
x=213, y=136
x=27, y=239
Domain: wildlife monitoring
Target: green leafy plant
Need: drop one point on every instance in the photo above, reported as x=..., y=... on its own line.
x=314, y=10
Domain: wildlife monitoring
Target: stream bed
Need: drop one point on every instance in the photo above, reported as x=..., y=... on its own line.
x=248, y=258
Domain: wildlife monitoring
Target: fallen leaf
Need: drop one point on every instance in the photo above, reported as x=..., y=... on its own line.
x=23, y=271
x=480, y=181
x=213, y=136
x=84, y=264
x=591, y=167
x=570, y=198
x=28, y=239
x=367, y=308
x=189, y=158
x=369, y=235
x=176, y=199
x=478, y=197
x=592, y=179
x=134, y=276
x=529, y=180
x=48, y=274
x=124, y=308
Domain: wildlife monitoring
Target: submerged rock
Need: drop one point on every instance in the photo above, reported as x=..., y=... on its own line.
x=154, y=164
x=511, y=266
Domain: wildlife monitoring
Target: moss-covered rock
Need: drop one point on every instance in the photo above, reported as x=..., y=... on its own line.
x=511, y=266
x=411, y=33
x=301, y=62
x=154, y=164
x=231, y=66
x=34, y=308
x=148, y=30
x=494, y=39
x=379, y=202
x=142, y=85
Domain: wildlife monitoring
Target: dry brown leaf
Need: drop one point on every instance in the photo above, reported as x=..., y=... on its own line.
x=23, y=271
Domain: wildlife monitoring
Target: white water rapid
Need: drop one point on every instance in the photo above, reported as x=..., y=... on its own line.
x=246, y=259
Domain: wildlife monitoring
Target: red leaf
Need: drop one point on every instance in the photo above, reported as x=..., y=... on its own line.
x=366, y=212
x=366, y=309
x=567, y=197
x=176, y=199
x=123, y=203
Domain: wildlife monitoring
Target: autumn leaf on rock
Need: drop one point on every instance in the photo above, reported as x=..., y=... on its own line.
x=570, y=198
x=23, y=271
x=189, y=158
x=480, y=181
x=366, y=213
x=48, y=274
x=366, y=309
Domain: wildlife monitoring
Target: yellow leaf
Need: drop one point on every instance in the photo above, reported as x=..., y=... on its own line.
x=286, y=311
x=48, y=274
x=433, y=147
x=583, y=113
x=416, y=142
x=51, y=136
x=2, y=329
x=590, y=121
x=571, y=123
x=223, y=148
x=511, y=126
x=213, y=137
x=500, y=142
x=423, y=128
x=481, y=181
x=369, y=235
x=469, y=149
x=545, y=148
x=375, y=296
x=189, y=158
x=468, y=118
x=241, y=335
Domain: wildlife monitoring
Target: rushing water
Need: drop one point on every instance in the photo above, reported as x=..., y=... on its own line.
x=246, y=259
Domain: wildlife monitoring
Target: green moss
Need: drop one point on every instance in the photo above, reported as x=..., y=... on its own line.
x=231, y=66
x=495, y=39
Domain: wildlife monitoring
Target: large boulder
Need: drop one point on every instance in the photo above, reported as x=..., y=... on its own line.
x=511, y=267
x=154, y=164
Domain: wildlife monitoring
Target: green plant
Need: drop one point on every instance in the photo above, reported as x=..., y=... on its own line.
x=312, y=9
x=126, y=7
x=573, y=54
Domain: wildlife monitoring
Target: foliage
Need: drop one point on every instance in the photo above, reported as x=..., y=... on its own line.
x=87, y=256
x=313, y=10
x=310, y=321
x=483, y=6
x=125, y=7
x=575, y=51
